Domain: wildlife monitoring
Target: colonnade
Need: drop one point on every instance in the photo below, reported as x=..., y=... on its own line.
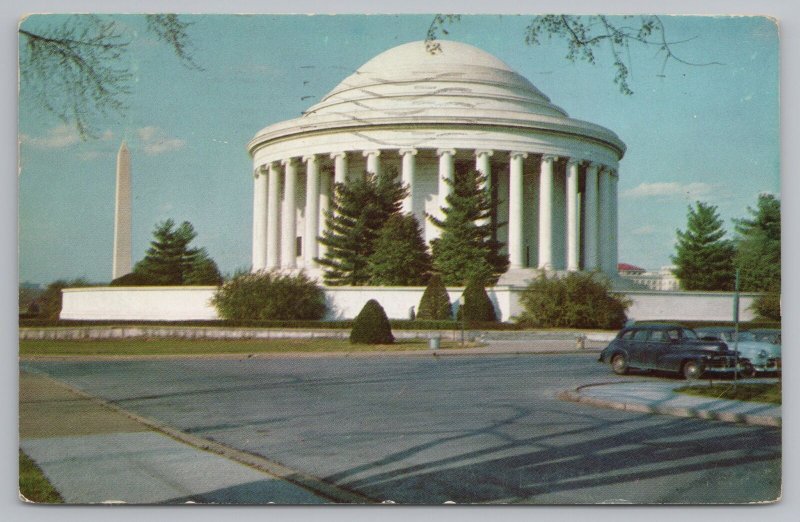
x=590, y=243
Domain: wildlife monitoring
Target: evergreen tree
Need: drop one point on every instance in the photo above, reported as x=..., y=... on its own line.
x=704, y=259
x=758, y=246
x=171, y=261
x=435, y=302
x=359, y=209
x=400, y=256
x=477, y=307
x=465, y=250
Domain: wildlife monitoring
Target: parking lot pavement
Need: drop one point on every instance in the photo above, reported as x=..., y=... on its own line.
x=92, y=454
x=661, y=398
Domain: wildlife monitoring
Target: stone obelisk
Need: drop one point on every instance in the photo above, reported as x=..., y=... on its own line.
x=122, y=215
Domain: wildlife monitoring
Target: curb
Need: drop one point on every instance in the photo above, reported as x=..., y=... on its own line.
x=738, y=418
x=443, y=352
x=314, y=484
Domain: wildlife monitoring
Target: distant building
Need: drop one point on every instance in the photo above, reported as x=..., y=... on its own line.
x=662, y=280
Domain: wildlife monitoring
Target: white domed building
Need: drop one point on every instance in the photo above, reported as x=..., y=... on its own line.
x=552, y=178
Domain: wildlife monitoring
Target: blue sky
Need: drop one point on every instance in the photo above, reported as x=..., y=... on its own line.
x=706, y=133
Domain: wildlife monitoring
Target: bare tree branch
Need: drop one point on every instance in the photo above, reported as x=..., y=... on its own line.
x=77, y=69
x=585, y=36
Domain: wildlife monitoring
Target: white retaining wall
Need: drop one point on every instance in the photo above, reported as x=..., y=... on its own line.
x=193, y=303
x=143, y=303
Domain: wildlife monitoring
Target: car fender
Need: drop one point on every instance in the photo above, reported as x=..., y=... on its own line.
x=674, y=362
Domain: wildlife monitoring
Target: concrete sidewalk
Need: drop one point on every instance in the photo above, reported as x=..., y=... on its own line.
x=94, y=454
x=660, y=398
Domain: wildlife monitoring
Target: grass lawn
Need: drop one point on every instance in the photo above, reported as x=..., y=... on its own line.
x=756, y=392
x=211, y=346
x=34, y=485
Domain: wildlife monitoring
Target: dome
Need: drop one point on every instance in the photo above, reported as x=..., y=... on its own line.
x=411, y=80
x=458, y=87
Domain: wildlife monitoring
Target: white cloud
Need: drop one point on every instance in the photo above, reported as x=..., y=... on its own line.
x=689, y=191
x=55, y=138
x=155, y=141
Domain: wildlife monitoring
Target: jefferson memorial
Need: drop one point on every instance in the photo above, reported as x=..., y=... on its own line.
x=552, y=179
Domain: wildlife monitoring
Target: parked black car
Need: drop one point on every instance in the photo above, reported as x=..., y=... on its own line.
x=669, y=347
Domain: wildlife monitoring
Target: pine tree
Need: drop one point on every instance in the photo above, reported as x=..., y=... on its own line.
x=359, y=209
x=758, y=246
x=704, y=259
x=435, y=302
x=400, y=256
x=465, y=250
x=170, y=260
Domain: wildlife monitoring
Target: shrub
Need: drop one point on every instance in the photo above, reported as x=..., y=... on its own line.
x=269, y=295
x=50, y=301
x=134, y=279
x=477, y=307
x=767, y=306
x=371, y=326
x=435, y=303
x=578, y=300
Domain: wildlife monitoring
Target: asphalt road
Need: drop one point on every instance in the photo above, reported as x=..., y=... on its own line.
x=434, y=429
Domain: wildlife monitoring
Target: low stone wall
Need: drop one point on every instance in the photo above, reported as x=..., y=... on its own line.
x=207, y=332
x=688, y=306
x=139, y=303
x=193, y=303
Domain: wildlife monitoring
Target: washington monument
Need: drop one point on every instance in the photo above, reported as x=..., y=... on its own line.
x=122, y=215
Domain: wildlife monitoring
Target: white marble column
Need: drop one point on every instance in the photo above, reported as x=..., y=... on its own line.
x=289, y=239
x=407, y=178
x=339, y=167
x=324, y=204
x=591, y=218
x=484, y=166
x=373, y=161
x=515, y=209
x=310, y=250
x=573, y=215
x=273, y=217
x=260, y=219
x=446, y=166
x=614, y=222
x=604, y=237
x=546, y=212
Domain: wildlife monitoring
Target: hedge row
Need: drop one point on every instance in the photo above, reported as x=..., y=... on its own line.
x=398, y=324
x=744, y=325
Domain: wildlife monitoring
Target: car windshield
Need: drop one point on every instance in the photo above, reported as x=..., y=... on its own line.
x=689, y=334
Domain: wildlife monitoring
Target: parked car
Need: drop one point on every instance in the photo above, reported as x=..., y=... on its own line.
x=772, y=335
x=670, y=347
x=761, y=347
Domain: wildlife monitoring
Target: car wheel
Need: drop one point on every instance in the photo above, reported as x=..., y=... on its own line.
x=748, y=371
x=691, y=370
x=619, y=364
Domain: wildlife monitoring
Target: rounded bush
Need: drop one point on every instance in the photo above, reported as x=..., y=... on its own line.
x=264, y=296
x=371, y=326
x=575, y=301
